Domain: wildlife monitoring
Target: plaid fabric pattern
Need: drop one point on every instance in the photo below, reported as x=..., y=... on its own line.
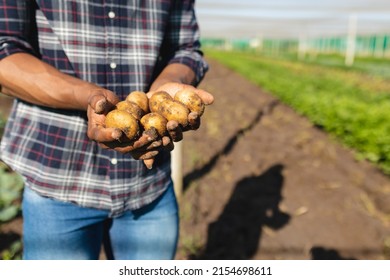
x=119, y=45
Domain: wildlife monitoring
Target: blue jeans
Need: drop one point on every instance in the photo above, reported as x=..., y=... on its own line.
x=59, y=230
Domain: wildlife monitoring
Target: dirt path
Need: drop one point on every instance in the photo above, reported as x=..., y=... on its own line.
x=262, y=183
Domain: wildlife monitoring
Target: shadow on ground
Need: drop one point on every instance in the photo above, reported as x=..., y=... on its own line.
x=320, y=253
x=254, y=204
x=198, y=173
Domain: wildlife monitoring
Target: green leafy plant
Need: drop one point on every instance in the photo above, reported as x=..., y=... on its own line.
x=11, y=186
x=10, y=193
x=351, y=104
x=14, y=252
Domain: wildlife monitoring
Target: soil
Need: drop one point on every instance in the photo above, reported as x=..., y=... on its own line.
x=261, y=182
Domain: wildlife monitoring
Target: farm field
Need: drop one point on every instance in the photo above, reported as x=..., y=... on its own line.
x=261, y=181
x=351, y=104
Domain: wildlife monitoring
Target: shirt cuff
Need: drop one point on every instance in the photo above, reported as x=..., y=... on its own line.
x=11, y=45
x=194, y=60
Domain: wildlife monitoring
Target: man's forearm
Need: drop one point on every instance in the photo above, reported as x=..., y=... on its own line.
x=175, y=72
x=28, y=78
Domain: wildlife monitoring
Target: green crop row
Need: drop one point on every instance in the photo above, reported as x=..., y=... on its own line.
x=11, y=186
x=350, y=104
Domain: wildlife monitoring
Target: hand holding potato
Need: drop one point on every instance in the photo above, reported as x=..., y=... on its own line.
x=186, y=96
x=101, y=105
x=149, y=123
x=173, y=88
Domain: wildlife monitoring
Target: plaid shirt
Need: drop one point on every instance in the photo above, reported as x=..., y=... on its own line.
x=119, y=45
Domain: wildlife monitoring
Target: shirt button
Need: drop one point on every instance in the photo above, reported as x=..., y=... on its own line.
x=114, y=161
x=111, y=14
x=113, y=65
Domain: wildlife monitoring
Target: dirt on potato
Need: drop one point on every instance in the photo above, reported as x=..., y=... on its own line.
x=261, y=182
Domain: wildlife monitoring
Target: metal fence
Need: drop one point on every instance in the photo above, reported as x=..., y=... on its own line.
x=368, y=45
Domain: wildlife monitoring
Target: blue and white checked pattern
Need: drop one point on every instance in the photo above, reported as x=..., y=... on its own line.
x=119, y=45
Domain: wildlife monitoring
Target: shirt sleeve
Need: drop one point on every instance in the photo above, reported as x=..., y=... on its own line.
x=184, y=38
x=13, y=24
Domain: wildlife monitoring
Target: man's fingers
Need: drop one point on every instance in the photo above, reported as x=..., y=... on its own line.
x=102, y=134
x=98, y=103
x=194, y=120
x=144, y=155
x=102, y=103
x=149, y=163
x=154, y=145
x=147, y=138
x=166, y=141
x=172, y=88
x=148, y=155
x=175, y=131
x=167, y=144
x=206, y=97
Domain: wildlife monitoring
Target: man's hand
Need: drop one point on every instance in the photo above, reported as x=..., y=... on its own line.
x=149, y=144
x=174, y=129
x=145, y=147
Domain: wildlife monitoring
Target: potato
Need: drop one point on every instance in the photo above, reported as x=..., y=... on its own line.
x=130, y=107
x=139, y=98
x=173, y=110
x=157, y=99
x=155, y=120
x=124, y=121
x=189, y=98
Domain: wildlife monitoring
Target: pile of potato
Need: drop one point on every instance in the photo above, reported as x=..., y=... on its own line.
x=138, y=113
